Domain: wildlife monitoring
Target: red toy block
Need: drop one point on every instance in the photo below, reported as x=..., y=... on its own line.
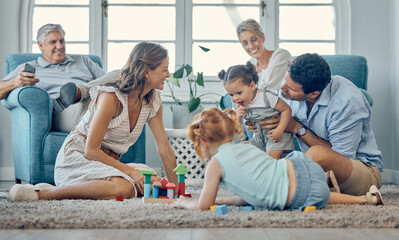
x=119, y=198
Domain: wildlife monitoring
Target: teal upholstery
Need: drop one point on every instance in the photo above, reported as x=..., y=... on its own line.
x=35, y=145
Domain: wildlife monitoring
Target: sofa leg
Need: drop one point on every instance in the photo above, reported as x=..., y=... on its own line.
x=18, y=181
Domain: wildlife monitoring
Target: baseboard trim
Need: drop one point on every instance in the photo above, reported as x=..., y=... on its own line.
x=7, y=174
x=390, y=176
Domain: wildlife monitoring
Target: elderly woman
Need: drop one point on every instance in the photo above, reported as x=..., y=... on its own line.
x=271, y=65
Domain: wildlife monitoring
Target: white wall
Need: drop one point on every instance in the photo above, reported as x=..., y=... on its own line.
x=373, y=31
x=374, y=35
x=9, y=44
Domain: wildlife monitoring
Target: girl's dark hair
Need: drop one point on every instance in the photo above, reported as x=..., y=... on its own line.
x=247, y=73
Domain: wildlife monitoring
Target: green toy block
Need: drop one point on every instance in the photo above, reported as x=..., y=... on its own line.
x=180, y=178
x=180, y=169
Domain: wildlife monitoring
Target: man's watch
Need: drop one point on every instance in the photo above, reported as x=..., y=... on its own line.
x=301, y=131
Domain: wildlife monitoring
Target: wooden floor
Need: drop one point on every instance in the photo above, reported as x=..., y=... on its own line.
x=208, y=234
x=193, y=234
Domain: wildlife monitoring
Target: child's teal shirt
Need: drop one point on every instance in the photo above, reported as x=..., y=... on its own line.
x=253, y=175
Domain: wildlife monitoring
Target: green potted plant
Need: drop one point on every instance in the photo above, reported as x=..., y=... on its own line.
x=193, y=105
x=185, y=73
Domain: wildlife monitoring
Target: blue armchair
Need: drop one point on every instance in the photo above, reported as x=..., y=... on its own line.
x=35, y=145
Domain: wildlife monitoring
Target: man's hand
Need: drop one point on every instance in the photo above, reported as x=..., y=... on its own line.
x=265, y=124
x=25, y=79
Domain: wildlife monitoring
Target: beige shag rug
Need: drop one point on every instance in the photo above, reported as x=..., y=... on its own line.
x=132, y=213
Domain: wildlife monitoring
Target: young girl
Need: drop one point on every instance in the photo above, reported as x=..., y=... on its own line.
x=257, y=179
x=255, y=105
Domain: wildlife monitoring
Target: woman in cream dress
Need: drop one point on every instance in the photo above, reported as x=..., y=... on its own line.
x=87, y=165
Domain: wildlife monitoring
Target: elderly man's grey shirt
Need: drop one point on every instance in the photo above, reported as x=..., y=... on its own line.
x=77, y=69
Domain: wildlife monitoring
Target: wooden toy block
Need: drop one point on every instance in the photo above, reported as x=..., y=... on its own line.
x=155, y=189
x=221, y=210
x=212, y=208
x=158, y=200
x=119, y=198
x=170, y=192
x=147, y=189
x=181, y=188
x=310, y=209
x=248, y=208
x=180, y=169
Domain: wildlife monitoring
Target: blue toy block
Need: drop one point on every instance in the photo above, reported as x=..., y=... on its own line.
x=155, y=192
x=147, y=190
x=249, y=208
x=221, y=210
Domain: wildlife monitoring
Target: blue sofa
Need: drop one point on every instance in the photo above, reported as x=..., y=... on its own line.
x=35, y=145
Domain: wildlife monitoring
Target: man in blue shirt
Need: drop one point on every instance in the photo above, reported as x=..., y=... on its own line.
x=331, y=119
x=64, y=77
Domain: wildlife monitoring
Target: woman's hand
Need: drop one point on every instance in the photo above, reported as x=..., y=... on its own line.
x=137, y=177
x=270, y=123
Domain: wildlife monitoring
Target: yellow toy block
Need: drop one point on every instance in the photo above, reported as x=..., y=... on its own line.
x=212, y=208
x=310, y=209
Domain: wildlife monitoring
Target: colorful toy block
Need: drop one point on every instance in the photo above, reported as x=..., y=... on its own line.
x=212, y=208
x=221, y=210
x=170, y=190
x=155, y=189
x=158, y=200
x=147, y=181
x=310, y=209
x=119, y=198
x=181, y=170
x=248, y=208
x=163, y=191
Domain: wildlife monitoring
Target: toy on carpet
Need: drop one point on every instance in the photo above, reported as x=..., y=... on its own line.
x=119, y=198
x=164, y=191
x=310, y=209
x=248, y=208
x=221, y=210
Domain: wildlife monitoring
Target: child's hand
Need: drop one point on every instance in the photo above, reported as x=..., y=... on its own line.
x=183, y=202
x=275, y=135
x=240, y=111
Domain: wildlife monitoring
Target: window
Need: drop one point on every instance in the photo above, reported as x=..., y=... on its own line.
x=307, y=26
x=111, y=28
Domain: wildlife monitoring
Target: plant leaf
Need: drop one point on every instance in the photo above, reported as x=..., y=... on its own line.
x=200, y=79
x=189, y=69
x=174, y=80
x=204, y=49
x=179, y=72
x=222, y=106
x=193, y=104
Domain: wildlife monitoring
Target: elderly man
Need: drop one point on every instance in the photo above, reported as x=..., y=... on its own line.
x=331, y=118
x=64, y=77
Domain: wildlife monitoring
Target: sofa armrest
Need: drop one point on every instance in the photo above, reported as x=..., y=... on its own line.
x=31, y=113
x=368, y=96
